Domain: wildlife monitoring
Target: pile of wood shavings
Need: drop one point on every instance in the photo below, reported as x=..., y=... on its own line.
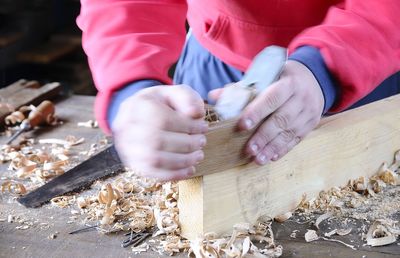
x=239, y=244
x=35, y=165
x=132, y=203
x=375, y=201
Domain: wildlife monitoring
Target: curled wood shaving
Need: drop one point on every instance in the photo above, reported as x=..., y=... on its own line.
x=396, y=163
x=323, y=217
x=343, y=232
x=13, y=187
x=82, y=202
x=311, y=235
x=63, y=201
x=379, y=235
x=108, y=194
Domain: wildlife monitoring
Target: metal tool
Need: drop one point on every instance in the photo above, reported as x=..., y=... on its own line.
x=41, y=114
x=262, y=72
x=135, y=239
x=85, y=229
x=103, y=164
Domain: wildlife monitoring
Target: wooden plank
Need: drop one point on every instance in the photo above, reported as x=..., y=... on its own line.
x=23, y=93
x=344, y=146
x=224, y=149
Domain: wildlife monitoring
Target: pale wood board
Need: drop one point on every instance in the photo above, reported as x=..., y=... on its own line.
x=345, y=146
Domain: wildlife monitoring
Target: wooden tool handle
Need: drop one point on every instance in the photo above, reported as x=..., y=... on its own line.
x=42, y=114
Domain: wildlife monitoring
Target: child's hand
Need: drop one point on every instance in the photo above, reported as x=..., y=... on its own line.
x=292, y=105
x=159, y=132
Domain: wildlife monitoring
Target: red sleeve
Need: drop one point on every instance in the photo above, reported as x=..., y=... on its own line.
x=130, y=40
x=360, y=44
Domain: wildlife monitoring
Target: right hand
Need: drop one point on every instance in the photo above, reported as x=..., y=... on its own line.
x=159, y=132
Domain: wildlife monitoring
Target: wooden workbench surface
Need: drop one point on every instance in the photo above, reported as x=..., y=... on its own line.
x=34, y=241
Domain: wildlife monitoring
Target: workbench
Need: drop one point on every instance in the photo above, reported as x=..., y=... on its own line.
x=35, y=242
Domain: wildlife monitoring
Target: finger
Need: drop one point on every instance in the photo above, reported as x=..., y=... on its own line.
x=174, y=161
x=216, y=93
x=265, y=104
x=284, y=142
x=172, y=175
x=181, y=143
x=185, y=100
x=179, y=123
x=163, y=175
x=280, y=121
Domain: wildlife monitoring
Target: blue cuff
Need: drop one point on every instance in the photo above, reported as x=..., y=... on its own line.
x=313, y=60
x=125, y=93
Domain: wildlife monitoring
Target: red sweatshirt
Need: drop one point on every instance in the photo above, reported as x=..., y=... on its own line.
x=129, y=40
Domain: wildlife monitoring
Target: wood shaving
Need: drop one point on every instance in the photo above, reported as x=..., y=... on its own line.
x=88, y=124
x=310, y=235
x=343, y=232
x=294, y=233
x=68, y=142
x=13, y=187
x=10, y=218
x=338, y=241
x=323, y=217
x=39, y=164
x=282, y=218
x=63, y=201
x=239, y=244
x=379, y=234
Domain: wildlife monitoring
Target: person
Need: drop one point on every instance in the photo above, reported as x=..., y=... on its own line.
x=340, y=52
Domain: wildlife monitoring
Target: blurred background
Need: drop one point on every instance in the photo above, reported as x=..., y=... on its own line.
x=39, y=40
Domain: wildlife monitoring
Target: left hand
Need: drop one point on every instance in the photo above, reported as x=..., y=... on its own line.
x=291, y=108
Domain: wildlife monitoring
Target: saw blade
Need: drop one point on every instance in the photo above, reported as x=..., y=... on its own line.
x=103, y=164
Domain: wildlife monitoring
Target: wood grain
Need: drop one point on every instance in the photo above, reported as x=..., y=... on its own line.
x=224, y=149
x=343, y=147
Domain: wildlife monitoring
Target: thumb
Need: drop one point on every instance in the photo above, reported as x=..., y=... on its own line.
x=185, y=100
x=216, y=94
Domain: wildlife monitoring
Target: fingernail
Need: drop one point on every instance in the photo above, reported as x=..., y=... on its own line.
x=192, y=171
x=199, y=156
x=275, y=157
x=203, y=141
x=262, y=159
x=254, y=148
x=248, y=123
